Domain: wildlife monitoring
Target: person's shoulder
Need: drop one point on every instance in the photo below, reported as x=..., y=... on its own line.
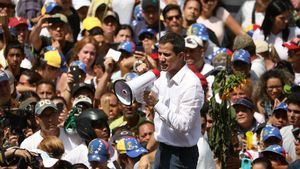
x=286, y=129
x=191, y=78
x=32, y=141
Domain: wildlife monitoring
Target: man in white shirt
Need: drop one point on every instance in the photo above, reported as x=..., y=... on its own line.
x=177, y=98
x=47, y=115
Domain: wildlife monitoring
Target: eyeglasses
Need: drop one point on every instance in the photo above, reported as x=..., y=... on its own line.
x=170, y=18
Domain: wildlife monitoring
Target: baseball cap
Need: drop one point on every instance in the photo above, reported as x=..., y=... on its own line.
x=42, y=105
x=281, y=106
x=212, y=56
x=3, y=76
x=58, y=18
x=119, y=134
x=99, y=150
x=77, y=4
x=270, y=131
x=146, y=31
x=49, y=7
x=199, y=30
x=15, y=21
x=138, y=13
x=276, y=149
x=110, y=13
x=242, y=41
x=245, y=102
x=91, y=22
x=241, y=55
x=55, y=58
x=261, y=46
x=127, y=46
x=294, y=44
x=82, y=99
x=80, y=64
x=131, y=147
x=79, y=86
x=193, y=41
x=149, y=3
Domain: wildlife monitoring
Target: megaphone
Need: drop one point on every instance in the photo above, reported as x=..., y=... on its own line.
x=126, y=92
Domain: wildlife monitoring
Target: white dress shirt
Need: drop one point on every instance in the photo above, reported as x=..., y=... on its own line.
x=177, y=117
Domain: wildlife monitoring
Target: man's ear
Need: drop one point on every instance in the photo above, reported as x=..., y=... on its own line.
x=182, y=55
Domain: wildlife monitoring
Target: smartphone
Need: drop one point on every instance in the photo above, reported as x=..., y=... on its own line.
x=75, y=71
x=296, y=132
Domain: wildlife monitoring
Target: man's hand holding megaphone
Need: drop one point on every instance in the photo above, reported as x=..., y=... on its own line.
x=150, y=98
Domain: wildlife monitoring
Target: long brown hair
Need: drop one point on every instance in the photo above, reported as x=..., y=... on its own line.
x=80, y=44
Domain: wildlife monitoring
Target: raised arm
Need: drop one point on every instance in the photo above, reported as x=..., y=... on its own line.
x=34, y=37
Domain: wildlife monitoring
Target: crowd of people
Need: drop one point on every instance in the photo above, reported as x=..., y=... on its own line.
x=59, y=60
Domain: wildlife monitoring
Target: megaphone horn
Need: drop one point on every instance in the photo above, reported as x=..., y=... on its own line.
x=126, y=92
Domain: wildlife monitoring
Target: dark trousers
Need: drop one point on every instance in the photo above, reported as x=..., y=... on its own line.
x=170, y=157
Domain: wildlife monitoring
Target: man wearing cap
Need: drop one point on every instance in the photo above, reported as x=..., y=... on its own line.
x=99, y=153
x=148, y=38
x=279, y=116
x=246, y=42
x=47, y=114
x=151, y=17
x=57, y=27
x=19, y=28
x=110, y=24
x=177, y=97
x=277, y=156
x=270, y=135
x=244, y=109
x=290, y=143
x=294, y=56
x=241, y=62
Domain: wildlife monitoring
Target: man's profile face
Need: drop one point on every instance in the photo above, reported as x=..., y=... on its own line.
x=45, y=91
x=194, y=56
x=168, y=59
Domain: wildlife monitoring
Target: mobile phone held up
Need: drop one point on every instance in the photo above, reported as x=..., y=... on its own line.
x=296, y=132
x=75, y=71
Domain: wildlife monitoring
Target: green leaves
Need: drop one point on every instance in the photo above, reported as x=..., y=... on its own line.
x=223, y=115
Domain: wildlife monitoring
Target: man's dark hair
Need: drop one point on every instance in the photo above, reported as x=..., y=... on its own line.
x=263, y=161
x=13, y=45
x=170, y=7
x=48, y=82
x=176, y=40
x=33, y=76
x=293, y=98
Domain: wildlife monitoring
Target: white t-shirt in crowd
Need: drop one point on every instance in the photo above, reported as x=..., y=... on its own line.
x=288, y=141
x=258, y=66
x=277, y=40
x=216, y=23
x=205, y=160
x=244, y=16
x=297, y=78
x=70, y=141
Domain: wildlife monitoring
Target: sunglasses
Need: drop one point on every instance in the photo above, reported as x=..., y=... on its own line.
x=170, y=18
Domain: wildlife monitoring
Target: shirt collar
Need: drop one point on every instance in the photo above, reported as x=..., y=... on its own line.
x=177, y=78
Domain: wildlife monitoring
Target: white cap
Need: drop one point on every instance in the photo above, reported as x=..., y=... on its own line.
x=77, y=4
x=82, y=99
x=192, y=41
x=261, y=46
x=26, y=64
